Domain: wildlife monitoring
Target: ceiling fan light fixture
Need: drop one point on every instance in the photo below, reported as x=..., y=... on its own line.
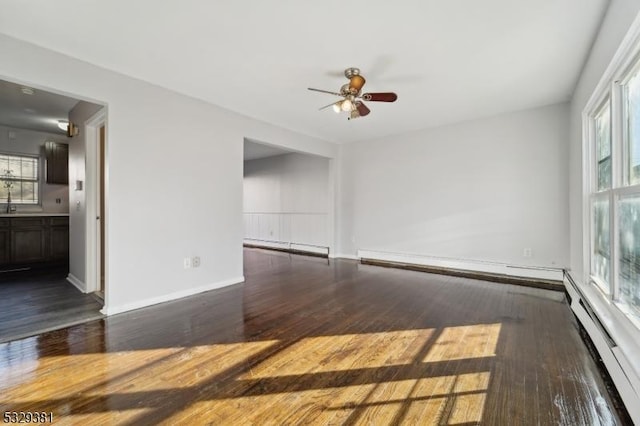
x=352, y=96
x=355, y=83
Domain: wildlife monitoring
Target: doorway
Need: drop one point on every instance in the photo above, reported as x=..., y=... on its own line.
x=43, y=284
x=287, y=200
x=96, y=204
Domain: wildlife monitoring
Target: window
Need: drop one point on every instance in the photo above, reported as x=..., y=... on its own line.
x=614, y=200
x=603, y=147
x=632, y=115
x=19, y=178
x=601, y=256
x=629, y=219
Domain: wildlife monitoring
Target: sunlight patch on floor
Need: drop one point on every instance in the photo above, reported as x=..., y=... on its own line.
x=343, y=352
x=300, y=407
x=402, y=375
x=453, y=399
x=465, y=342
x=438, y=398
x=117, y=372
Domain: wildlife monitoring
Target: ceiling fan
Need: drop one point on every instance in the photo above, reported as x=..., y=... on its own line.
x=352, y=96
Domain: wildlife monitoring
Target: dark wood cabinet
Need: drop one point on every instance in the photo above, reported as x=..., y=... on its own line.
x=57, y=156
x=5, y=238
x=59, y=241
x=34, y=240
x=27, y=241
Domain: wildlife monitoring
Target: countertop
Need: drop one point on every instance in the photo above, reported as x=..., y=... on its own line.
x=33, y=214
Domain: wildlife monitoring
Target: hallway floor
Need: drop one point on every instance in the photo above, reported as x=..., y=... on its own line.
x=32, y=304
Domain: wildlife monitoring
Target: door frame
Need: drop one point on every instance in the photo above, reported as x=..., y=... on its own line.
x=92, y=225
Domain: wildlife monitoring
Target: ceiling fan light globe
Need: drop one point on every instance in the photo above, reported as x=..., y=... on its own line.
x=337, y=108
x=346, y=105
x=355, y=83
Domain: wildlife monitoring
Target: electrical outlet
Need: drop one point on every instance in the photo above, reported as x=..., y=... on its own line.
x=527, y=252
x=196, y=261
x=187, y=262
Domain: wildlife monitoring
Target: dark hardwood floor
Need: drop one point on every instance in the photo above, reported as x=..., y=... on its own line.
x=33, y=303
x=311, y=341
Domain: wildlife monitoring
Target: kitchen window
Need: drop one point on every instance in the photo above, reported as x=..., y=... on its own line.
x=19, y=178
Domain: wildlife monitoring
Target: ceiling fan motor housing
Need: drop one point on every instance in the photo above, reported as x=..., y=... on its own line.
x=350, y=72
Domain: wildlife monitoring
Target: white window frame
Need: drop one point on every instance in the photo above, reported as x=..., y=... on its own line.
x=40, y=180
x=609, y=90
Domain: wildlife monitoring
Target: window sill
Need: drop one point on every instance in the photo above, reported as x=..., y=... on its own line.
x=23, y=208
x=623, y=329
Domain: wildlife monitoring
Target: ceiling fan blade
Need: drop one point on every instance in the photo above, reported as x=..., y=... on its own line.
x=324, y=91
x=380, y=97
x=327, y=106
x=362, y=109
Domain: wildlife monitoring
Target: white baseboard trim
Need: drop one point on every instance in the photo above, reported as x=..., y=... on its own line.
x=620, y=369
x=288, y=246
x=113, y=310
x=267, y=244
x=77, y=283
x=310, y=249
x=345, y=256
x=536, y=272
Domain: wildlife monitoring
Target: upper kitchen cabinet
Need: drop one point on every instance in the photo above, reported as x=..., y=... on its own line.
x=57, y=156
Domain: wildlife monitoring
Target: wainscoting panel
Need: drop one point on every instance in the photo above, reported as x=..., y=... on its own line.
x=286, y=229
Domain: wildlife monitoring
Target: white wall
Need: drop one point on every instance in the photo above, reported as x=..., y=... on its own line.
x=31, y=142
x=82, y=112
x=286, y=199
x=175, y=175
x=479, y=190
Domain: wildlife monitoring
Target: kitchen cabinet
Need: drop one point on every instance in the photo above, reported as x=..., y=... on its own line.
x=33, y=240
x=58, y=238
x=5, y=248
x=57, y=158
x=28, y=243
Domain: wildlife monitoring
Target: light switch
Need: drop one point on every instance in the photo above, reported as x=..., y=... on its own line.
x=77, y=206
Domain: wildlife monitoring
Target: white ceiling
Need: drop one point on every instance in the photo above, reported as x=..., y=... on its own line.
x=448, y=61
x=39, y=111
x=256, y=150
